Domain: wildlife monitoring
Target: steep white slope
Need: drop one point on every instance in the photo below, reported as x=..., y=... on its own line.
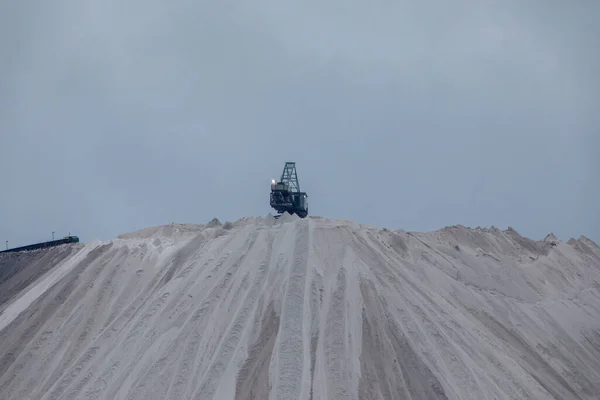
x=309, y=309
x=19, y=270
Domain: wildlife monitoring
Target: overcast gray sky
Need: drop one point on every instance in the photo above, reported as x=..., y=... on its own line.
x=119, y=115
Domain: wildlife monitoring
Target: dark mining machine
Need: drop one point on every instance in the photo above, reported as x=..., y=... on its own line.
x=286, y=195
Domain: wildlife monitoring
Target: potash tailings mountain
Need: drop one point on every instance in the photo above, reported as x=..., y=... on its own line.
x=303, y=309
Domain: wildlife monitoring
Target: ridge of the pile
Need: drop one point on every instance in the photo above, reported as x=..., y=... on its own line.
x=269, y=220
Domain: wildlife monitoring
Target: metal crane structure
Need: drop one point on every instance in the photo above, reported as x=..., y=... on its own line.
x=286, y=195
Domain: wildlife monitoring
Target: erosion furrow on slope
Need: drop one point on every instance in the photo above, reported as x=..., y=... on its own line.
x=290, y=344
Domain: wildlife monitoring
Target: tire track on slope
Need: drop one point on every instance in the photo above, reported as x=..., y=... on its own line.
x=64, y=387
x=390, y=367
x=19, y=270
x=195, y=324
x=118, y=318
x=334, y=341
x=558, y=348
x=291, y=345
x=253, y=378
x=221, y=321
x=459, y=371
x=90, y=369
x=26, y=326
x=116, y=310
x=191, y=274
x=231, y=337
x=41, y=343
x=108, y=373
x=316, y=302
x=68, y=329
x=156, y=379
x=528, y=358
x=333, y=346
x=510, y=376
x=180, y=266
x=430, y=328
x=192, y=248
x=85, y=292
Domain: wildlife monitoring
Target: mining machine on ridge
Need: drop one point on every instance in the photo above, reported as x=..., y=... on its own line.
x=286, y=195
